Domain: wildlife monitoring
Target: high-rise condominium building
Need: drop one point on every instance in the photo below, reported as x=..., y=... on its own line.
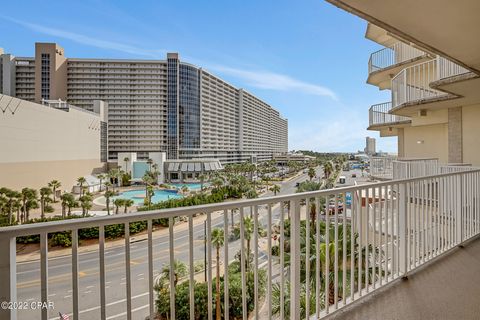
x=370, y=147
x=154, y=105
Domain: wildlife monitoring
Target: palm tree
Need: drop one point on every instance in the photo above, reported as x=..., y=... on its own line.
x=127, y=203
x=147, y=180
x=45, y=193
x=85, y=203
x=179, y=271
x=311, y=173
x=81, y=181
x=54, y=185
x=108, y=194
x=327, y=169
x=217, y=183
x=275, y=189
x=118, y=203
x=202, y=178
x=68, y=201
x=218, y=238
x=29, y=201
x=101, y=177
x=126, y=159
x=113, y=176
x=184, y=189
x=12, y=201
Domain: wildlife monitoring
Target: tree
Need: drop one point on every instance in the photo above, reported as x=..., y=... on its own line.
x=202, y=179
x=45, y=194
x=118, y=203
x=108, y=194
x=179, y=271
x=29, y=201
x=113, y=175
x=54, y=185
x=217, y=183
x=126, y=204
x=311, y=173
x=81, y=181
x=184, y=189
x=11, y=202
x=126, y=159
x=85, y=203
x=68, y=201
x=275, y=189
x=102, y=178
x=218, y=239
x=327, y=169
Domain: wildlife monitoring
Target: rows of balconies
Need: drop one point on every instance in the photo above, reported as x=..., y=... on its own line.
x=409, y=73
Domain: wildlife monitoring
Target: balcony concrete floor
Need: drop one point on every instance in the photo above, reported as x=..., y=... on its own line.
x=446, y=289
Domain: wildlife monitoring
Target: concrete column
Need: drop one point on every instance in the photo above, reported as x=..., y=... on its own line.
x=8, y=274
x=401, y=143
x=455, y=149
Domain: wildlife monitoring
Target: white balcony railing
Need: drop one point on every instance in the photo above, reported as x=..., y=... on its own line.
x=390, y=56
x=447, y=68
x=379, y=115
x=382, y=167
x=334, y=246
x=413, y=83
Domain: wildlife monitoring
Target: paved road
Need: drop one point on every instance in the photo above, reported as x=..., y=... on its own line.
x=59, y=270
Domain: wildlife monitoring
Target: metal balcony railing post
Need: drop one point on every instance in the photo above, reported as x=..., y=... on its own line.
x=402, y=221
x=295, y=261
x=8, y=277
x=458, y=209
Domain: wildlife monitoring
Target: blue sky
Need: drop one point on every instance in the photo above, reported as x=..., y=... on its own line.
x=308, y=59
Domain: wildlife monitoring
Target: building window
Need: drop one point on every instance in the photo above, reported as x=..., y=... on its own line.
x=45, y=76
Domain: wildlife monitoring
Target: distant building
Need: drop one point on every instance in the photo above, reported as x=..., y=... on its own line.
x=370, y=146
x=154, y=105
x=284, y=158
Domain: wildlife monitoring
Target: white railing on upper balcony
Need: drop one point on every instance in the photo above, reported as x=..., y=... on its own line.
x=332, y=246
x=447, y=68
x=413, y=83
x=390, y=56
x=379, y=115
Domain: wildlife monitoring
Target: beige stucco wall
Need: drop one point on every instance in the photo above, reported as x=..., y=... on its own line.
x=58, y=71
x=471, y=134
x=38, y=173
x=426, y=141
x=39, y=144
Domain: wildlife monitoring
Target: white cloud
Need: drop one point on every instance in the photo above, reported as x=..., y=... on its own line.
x=90, y=41
x=275, y=81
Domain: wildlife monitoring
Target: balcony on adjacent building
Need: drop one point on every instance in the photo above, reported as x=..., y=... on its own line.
x=380, y=116
x=385, y=63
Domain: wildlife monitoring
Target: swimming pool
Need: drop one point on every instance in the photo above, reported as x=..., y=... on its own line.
x=138, y=196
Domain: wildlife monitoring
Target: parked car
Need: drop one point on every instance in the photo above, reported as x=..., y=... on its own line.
x=354, y=175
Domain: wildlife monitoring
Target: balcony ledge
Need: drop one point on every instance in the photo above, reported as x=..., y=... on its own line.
x=406, y=109
x=396, y=124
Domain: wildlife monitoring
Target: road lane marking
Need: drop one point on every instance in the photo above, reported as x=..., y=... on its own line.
x=124, y=313
x=107, y=305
